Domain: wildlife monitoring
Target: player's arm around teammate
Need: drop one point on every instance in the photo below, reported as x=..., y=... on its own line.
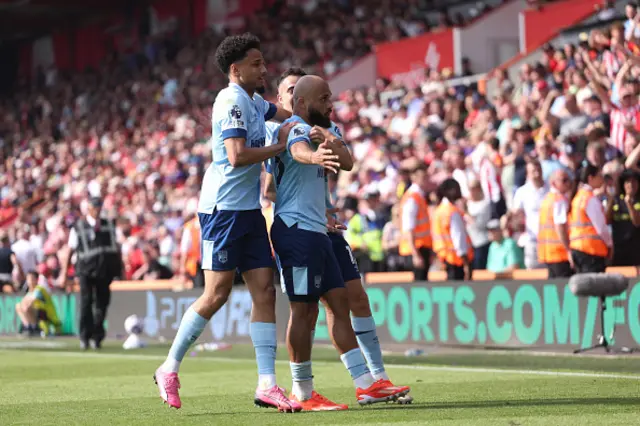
x=233, y=230
x=336, y=145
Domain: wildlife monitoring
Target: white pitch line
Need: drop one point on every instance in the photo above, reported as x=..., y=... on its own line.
x=389, y=366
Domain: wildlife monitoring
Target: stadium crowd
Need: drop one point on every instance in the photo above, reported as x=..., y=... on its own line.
x=135, y=133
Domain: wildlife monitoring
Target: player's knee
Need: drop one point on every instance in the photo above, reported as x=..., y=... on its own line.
x=18, y=307
x=337, y=304
x=216, y=295
x=301, y=311
x=264, y=298
x=358, y=300
x=312, y=317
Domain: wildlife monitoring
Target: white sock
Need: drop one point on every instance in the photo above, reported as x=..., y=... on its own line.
x=266, y=381
x=302, y=390
x=170, y=365
x=364, y=381
x=381, y=376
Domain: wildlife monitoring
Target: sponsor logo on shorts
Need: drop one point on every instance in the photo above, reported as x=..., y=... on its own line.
x=222, y=256
x=317, y=280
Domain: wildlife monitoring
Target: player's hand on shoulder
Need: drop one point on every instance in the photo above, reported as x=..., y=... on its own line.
x=325, y=157
x=283, y=133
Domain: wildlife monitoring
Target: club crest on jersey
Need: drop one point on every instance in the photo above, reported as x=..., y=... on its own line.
x=298, y=131
x=222, y=256
x=317, y=281
x=235, y=112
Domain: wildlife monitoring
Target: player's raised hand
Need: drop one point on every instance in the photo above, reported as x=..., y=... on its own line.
x=325, y=157
x=319, y=134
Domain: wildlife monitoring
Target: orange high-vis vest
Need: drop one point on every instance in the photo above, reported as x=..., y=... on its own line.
x=550, y=247
x=193, y=255
x=442, y=243
x=422, y=231
x=582, y=235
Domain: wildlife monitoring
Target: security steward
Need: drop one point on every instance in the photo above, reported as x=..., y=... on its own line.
x=589, y=237
x=553, y=232
x=98, y=262
x=415, y=240
x=451, y=243
x=364, y=233
x=190, y=253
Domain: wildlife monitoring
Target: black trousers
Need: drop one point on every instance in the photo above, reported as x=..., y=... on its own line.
x=422, y=274
x=480, y=256
x=95, y=296
x=586, y=263
x=198, y=279
x=455, y=273
x=559, y=270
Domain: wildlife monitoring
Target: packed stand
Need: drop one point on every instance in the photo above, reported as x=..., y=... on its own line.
x=577, y=107
x=136, y=133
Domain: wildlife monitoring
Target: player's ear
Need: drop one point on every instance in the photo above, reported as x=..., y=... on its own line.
x=234, y=71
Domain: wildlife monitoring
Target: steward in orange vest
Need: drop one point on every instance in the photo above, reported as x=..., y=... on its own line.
x=190, y=253
x=589, y=237
x=553, y=233
x=451, y=243
x=415, y=225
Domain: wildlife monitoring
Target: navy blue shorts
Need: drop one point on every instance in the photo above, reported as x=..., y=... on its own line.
x=344, y=255
x=308, y=266
x=235, y=240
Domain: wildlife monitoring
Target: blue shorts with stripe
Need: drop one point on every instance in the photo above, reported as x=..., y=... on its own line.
x=234, y=240
x=344, y=255
x=308, y=266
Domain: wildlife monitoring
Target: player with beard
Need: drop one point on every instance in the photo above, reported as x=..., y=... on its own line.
x=362, y=319
x=308, y=266
x=233, y=230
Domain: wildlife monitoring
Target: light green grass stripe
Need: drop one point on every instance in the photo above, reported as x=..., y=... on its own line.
x=389, y=366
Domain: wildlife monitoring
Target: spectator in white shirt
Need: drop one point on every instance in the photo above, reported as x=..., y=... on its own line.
x=477, y=217
x=527, y=201
x=25, y=252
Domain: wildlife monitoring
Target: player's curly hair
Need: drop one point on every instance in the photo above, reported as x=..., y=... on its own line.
x=298, y=72
x=234, y=49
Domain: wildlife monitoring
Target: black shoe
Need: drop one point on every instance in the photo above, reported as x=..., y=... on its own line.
x=33, y=331
x=84, y=345
x=96, y=345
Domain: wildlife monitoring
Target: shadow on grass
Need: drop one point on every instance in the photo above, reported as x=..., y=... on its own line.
x=461, y=405
x=635, y=401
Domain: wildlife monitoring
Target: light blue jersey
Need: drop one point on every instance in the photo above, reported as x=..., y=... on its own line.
x=235, y=115
x=272, y=139
x=300, y=187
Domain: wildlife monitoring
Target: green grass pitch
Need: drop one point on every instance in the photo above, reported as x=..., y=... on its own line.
x=60, y=385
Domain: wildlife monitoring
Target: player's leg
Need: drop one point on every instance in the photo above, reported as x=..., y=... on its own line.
x=361, y=318
x=257, y=270
x=299, y=341
x=219, y=261
x=368, y=389
x=301, y=268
